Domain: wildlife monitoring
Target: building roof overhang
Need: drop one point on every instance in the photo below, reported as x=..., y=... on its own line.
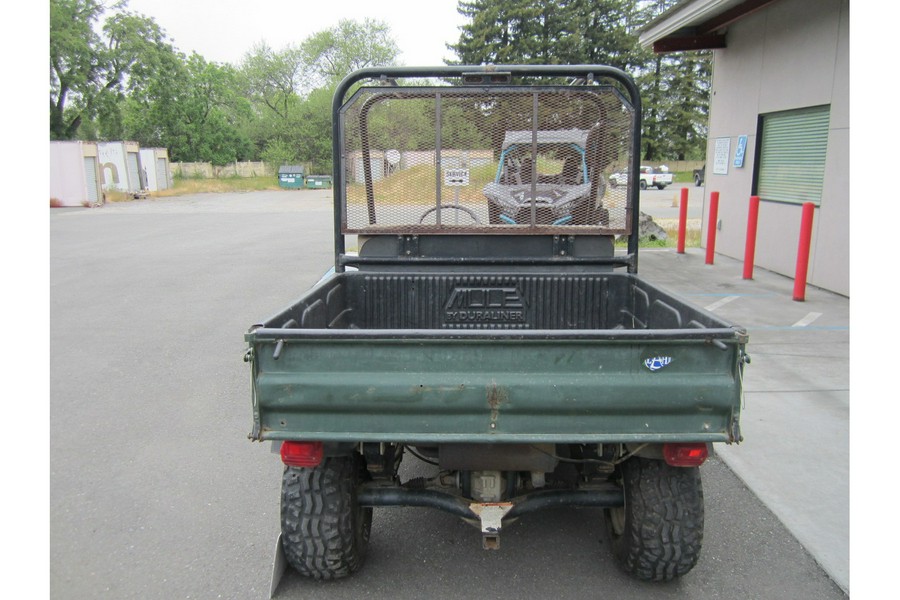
x=696, y=24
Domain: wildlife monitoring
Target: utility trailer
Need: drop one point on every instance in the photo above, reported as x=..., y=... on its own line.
x=522, y=355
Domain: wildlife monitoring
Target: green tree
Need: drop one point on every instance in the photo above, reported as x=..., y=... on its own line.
x=193, y=108
x=607, y=33
x=312, y=135
x=278, y=153
x=91, y=71
x=332, y=54
x=273, y=79
x=676, y=98
x=547, y=32
x=675, y=94
x=503, y=31
x=674, y=87
x=290, y=90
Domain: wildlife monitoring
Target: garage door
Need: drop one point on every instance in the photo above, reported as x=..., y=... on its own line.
x=90, y=177
x=162, y=178
x=792, y=155
x=134, y=181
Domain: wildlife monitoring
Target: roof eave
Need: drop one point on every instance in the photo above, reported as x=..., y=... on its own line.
x=696, y=24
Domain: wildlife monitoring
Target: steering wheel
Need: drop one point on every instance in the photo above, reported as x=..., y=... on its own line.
x=454, y=207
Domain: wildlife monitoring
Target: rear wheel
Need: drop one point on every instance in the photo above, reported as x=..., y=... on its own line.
x=643, y=184
x=325, y=532
x=657, y=534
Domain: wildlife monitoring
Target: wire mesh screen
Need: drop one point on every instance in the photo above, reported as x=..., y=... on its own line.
x=509, y=160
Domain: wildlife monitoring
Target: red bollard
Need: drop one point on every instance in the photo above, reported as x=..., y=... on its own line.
x=711, y=227
x=750, y=248
x=806, y=221
x=682, y=220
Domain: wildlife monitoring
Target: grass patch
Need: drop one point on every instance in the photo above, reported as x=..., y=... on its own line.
x=692, y=236
x=691, y=240
x=417, y=185
x=193, y=185
x=182, y=186
x=117, y=196
x=683, y=177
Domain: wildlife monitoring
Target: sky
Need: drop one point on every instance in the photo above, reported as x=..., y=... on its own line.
x=224, y=30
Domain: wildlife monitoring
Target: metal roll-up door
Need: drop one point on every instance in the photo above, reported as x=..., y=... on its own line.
x=134, y=180
x=90, y=177
x=792, y=155
x=162, y=178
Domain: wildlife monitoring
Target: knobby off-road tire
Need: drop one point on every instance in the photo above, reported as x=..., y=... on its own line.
x=325, y=532
x=657, y=535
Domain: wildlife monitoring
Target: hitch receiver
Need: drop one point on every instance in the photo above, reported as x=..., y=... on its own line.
x=491, y=516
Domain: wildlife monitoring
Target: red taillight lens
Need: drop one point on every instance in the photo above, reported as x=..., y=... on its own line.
x=301, y=454
x=685, y=455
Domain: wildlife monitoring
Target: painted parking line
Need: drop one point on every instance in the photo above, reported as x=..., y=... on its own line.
x=753, y=328
x=805, y=321
x=804, y=324
x=713, y=295
x=721, y=303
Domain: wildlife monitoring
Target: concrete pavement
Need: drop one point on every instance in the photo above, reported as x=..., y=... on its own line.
x=795, y=421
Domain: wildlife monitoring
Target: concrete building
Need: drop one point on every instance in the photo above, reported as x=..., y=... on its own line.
x=74, y=174
x=156, y=174
x=120, y=166
x=779, y=124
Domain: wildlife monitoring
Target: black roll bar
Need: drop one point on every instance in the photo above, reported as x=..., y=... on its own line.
x=483, y=74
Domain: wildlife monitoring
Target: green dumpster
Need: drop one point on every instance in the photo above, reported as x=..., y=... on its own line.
x=318, y=181
x=290, y=176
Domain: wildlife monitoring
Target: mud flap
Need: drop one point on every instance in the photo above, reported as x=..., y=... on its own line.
x=279, y=565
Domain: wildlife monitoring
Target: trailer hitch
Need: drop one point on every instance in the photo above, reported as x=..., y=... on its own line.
x=491, y=516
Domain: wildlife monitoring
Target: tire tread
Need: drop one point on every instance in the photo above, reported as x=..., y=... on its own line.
x=663, y=531
x=324, y=532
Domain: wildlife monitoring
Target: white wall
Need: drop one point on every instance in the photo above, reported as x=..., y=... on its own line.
x=114, y=174
x=113, y=171
x=793, y=54
x=68, y=179
x=148, y=165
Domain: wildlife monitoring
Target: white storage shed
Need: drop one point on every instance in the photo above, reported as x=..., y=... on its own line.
x=120, y=166
x=155, y=171
x=75, y=174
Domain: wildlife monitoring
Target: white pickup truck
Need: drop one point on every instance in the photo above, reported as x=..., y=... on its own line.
x=649, y=178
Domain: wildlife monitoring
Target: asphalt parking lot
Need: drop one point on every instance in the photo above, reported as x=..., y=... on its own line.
x=156, y=492
x=664, y=205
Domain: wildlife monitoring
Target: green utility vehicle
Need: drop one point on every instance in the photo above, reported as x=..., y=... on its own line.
x=487, y=325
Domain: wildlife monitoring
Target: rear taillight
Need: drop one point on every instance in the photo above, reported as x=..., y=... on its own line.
x=685, y=455
x=301, y=454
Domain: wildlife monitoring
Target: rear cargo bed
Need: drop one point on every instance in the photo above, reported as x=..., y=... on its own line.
x=494, y=358
x=360, y=300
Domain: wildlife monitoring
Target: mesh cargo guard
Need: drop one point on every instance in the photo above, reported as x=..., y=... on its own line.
x=485, y=159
